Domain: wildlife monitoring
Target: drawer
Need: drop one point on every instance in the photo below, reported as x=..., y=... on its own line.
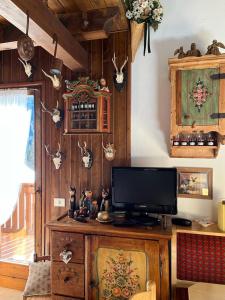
x=68, y=279
x=56, y=297
x=68, y=241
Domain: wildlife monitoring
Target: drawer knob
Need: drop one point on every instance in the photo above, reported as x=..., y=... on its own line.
x=66, y=256
x=66, y=279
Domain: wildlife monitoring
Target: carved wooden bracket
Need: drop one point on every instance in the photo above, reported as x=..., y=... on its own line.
x=137, y=32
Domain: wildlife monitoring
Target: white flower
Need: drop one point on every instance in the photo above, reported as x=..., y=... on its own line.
x=158, y=19
x=129, y=14
x=144, y=4
x=160, y=10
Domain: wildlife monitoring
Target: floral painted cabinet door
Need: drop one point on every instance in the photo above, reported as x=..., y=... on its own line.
x=198, y=96
x=120, y=267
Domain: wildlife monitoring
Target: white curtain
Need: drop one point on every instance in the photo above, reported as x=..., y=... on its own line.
x=14, y=131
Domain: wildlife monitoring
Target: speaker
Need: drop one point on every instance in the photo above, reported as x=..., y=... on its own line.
x=221, y=215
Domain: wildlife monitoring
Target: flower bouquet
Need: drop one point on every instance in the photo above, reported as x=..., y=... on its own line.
x=148, y=12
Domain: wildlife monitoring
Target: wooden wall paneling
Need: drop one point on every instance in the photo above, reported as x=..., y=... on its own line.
x=76, y=174
x=39, y=241
x=128, y=102
x=108, y=71
x=96, y=140
x=44, y=62
x=17, y=68
x=55, y=183
x=65, y=172
x=120, y=102
x=84, y=171
x=6, y=61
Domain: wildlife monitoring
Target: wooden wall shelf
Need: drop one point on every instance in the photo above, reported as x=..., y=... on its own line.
x=197, y=97
x=194, y=151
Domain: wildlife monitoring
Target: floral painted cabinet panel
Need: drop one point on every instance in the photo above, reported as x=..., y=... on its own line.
x=121, y=267
x=199, y=96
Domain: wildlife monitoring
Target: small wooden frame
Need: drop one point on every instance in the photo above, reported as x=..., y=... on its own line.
x=195, y=183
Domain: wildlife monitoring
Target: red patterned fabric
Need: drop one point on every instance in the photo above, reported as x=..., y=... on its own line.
x=201, y=258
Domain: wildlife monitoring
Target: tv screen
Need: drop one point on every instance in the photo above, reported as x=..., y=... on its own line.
x=151, y=190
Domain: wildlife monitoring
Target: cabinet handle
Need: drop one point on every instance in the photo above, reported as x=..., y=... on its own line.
x=93, y=284
x=66, y=256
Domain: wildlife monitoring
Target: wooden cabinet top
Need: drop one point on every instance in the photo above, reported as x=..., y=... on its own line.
x=198, y=229
x=198, y=61
x=95, y=228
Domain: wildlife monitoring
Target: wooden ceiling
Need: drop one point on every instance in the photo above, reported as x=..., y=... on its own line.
x=70, y=20
x=60, y=7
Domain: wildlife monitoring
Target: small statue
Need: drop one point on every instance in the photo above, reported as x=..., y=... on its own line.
x=94, y=209
x=102, y=85
x=214, y=48
x=193, y=51
x=180, y=52
x=86, y=201
x=72, y=208
x=105, y=203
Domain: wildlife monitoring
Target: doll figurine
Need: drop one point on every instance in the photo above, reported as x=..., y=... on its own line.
x=105, y=200
x=103, y=85
x=72, y=208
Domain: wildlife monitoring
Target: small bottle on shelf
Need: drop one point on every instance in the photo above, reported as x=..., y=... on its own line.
x=193, y=141
x=200, y=139
x=211, y=139
x=81, y=106
x=176, y=140
x=184, y=140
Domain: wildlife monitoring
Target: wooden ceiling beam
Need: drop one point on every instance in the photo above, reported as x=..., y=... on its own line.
x=9, y=35
x=91, y=25
x=42, y=26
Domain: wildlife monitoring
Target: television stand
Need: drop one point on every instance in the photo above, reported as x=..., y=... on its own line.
x=146, y=220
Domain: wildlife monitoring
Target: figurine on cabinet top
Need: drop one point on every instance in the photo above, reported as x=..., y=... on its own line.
x=214, y=48
x=103, y=85
x=193, y=51
x=86, y=201
x=72, y=208
x=105, y=203
x=180, y=52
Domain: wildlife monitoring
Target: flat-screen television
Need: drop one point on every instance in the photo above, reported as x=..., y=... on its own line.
x=139, y=189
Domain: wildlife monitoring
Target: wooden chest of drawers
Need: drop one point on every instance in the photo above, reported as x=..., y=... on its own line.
x=96, y=253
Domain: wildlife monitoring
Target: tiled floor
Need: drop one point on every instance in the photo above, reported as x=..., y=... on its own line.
x=16, y=247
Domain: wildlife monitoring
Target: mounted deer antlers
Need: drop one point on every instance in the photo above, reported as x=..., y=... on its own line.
x=86, y=155
x=120, y=76
x=27, y=67
x=56, y=81
x=56, y=114
x=110, y=151
x=57, y=157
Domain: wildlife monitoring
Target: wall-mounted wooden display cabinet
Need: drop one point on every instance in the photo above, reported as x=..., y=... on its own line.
x=198, y=106
x=87, y=109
